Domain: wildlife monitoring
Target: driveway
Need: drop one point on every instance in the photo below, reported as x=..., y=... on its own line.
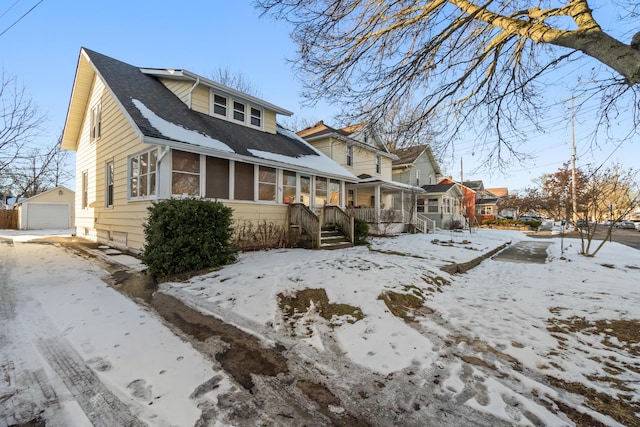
x=525, y=251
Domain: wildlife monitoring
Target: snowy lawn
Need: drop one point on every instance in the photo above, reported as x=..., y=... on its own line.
x=508, y=339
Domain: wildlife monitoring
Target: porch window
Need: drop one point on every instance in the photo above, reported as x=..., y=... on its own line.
x=85, y=190
x=349, y=155
x=266, y=184
x=351, y=197
x=108, y=184
x=447, y=205
x=142, y=174
x=256, y=117
x=420, y=205
x=432, y=205
x=321, y=191
x=378, y=164
x=220, y=105
x=185, y=176
x=334, y=192
x=288, y=187
x=217, y=185
x=238, y=111
x=305, y=189
x=244, y=181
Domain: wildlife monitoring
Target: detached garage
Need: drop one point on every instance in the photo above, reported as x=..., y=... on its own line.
x=53, y=209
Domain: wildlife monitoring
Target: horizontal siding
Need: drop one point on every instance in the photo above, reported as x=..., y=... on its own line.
x=179, y=88
x=200, y=99
x=257, y=213
x=270, y=121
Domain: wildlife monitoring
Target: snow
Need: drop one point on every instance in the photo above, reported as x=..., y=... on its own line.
x=494, y=312
x=178, y=133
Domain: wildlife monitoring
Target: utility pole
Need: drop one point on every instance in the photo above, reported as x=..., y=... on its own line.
x=461, y=174
x=573, y=170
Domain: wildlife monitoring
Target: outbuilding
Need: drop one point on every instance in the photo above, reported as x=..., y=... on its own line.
x=52, y=209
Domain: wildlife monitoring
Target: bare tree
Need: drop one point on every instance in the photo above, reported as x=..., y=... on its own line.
x=478, y=65
x=611, y=193
x=20, y=121
x=237, y=81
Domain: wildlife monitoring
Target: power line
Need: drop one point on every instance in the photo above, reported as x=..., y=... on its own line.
x=20, y=19
x=10, y=7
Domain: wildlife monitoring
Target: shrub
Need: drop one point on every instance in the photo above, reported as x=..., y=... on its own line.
x=454, y=224
x=361, y=231
x=265, y=235
x=184, y=235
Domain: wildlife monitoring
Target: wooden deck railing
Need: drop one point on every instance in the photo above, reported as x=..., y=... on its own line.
x=301, y=215
x=369, y=215
x=333, y=215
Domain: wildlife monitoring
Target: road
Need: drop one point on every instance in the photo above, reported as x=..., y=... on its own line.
x=630, y=238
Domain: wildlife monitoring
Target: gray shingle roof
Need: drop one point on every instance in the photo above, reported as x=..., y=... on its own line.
x=437, y=188
x=128, y=83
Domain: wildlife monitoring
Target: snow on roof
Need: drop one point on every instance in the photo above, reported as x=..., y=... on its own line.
x=178, y=133
x=393, y=183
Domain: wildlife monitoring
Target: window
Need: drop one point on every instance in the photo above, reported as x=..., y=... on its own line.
x=185, y=175
x=378, y=164
x=349, y=155
x=142, y=174
x=244, y=181
x=420, y=205
x=432, y=205
x=486, y=210
x=351, y=196
x=220, y=105
x=238, y=111
x=321, y=191
x=108, y=184
x=305, y=190
x=334, y=192
x=85, y=190
x=217, y=185
x=95, y=125
x=288, y=187
x=447, y=205
x=266, y=184
x=256, y=117
x=418, y=178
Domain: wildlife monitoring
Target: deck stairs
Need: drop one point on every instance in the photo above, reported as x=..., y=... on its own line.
x=332, y=238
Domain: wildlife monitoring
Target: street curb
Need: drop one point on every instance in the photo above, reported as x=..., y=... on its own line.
x=456, y=268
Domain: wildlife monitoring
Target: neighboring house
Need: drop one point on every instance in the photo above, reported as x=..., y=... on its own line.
x=147, y=134
x=442, y=205
x=486, y=203
x=52, y=209
x=468, y=202
x=416, y=166
x=386, y=205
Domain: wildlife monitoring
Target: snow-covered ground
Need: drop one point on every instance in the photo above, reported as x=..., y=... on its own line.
x=500, y=339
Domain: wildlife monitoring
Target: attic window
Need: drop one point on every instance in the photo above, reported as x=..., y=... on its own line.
x=220, y=105
x=95, y=126
x=238, y=111
x=256, y=117
x=378, y=164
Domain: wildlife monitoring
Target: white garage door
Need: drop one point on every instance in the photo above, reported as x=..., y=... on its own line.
x=48, y=215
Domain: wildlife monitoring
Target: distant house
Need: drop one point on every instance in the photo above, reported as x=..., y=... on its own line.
x=467, y=203
x=146, y=134
x=442, y=205
x=416, y=166
x=52, y=209
x=387, y=206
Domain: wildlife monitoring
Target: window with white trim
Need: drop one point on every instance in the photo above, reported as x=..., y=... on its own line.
x=486, y=210
x=220, y=105
x=243, y=181
x=321, y=192
x=334, y=192
x=95, y=121
x=349, y=154
x=432, y=205
x=85, y=190
x=288, y=187
x=256, y=117
x=142, y=174
x=378, y=163
x=185, y=173
x=108, y=184
x=267, y=184
x=351, y=196
x=238, y=111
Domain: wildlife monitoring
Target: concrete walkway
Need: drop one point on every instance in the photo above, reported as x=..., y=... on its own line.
x=526, y=251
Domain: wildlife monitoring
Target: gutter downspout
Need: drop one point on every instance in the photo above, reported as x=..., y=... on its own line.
x=191, y=91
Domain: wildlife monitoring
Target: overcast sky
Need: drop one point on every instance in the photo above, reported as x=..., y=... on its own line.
x=201, y=36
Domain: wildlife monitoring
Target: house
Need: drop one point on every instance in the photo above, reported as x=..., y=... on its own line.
x=467, y=203
x=387, y=206
x=52, y=209
x=146, y=134
x=442, y=205
x=486, y=203
x=416, y=166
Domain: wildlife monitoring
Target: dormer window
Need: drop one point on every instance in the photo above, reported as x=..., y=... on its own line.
x=256, y=117
x=238, y=111
x=220, y=105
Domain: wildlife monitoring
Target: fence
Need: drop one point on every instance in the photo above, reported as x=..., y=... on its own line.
x=9, y=218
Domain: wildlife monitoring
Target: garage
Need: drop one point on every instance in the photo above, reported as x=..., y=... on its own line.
x=51, y=209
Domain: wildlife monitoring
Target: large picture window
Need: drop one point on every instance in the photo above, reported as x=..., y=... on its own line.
x=266, y=184
x=244, y=181
x=185, y=175
x=217, y=178
x=142, y=174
